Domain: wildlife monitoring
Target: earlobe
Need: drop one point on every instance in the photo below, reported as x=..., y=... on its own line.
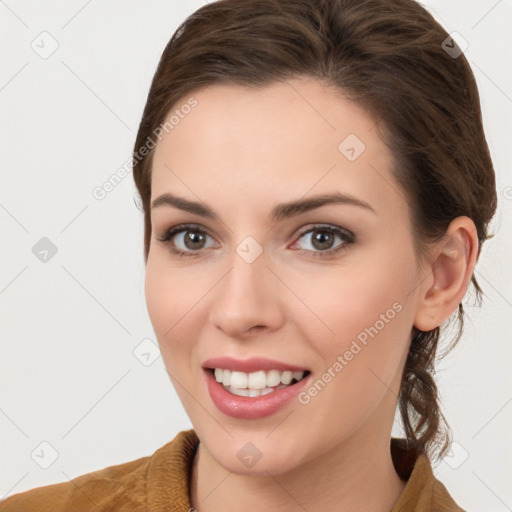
x=453, y=260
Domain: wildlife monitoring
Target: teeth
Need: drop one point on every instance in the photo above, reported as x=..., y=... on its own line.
x=297, y=375
x=253, y=392
x=257, y=380
x=273, y=378
x=286, y=377
x=239, y=380
x=239, y=392
x=255, y=383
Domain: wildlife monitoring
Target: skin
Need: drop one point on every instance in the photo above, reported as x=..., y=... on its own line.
x=241, y=151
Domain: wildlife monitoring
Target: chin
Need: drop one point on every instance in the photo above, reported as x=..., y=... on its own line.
x=253, y=454
x=274, y=464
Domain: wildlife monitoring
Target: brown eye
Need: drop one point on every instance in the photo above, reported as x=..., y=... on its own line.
x=185, y=240
x=323, y=239
x=193, y=239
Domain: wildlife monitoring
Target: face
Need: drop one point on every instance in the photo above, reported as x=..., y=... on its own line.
x=329, y=290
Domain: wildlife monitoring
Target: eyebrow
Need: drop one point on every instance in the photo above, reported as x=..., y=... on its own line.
x=279, y=212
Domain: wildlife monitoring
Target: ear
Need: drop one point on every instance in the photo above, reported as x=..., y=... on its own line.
x=452, y=261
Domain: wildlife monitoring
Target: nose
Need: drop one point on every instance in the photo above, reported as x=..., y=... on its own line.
x=246, y=301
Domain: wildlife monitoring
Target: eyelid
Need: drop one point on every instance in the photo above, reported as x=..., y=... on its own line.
x=179, y=228
x=329, y=227
x=346, y=235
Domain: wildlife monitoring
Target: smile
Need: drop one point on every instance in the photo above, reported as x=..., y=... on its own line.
x=256, y=383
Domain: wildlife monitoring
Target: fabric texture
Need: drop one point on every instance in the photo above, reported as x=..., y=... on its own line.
x=161, y=483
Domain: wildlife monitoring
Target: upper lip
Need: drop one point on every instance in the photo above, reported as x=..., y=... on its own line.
x=250, y=365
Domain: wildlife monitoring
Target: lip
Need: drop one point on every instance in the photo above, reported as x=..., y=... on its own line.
x=250, y=408
x=250, y=365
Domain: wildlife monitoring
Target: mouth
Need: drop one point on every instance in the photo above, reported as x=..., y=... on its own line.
x=257, y=383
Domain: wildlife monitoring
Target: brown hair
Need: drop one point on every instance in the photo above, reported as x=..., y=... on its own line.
x=389, y=57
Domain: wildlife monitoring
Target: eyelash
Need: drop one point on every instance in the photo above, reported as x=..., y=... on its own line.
x=347, y=237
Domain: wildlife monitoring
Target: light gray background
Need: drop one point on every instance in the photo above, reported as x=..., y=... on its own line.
x=69, y=326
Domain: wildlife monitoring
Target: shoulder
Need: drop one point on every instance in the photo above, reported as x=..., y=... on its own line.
x=120, y=488
x=92, y=491
x=442, y=500
x=423, y=491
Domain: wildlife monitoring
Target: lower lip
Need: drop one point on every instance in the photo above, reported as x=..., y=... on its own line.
x=250, y=408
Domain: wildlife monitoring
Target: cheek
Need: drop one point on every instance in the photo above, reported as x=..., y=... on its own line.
x=175, y=303
x=357, y=301
x=160, y=300
x=369, y=315
x=361, y=362
x=168, y=300
x=165, y=308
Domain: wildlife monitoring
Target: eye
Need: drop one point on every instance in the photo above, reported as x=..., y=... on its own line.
x=187, y=237
x=323, y=239
x=188, y=240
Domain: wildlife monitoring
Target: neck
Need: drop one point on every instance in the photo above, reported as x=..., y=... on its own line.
x=358, y=474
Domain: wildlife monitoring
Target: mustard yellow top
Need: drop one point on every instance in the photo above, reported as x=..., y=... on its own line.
x=161, y=483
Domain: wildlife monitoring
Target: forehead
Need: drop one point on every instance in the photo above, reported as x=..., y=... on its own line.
x=280, y=113
x=285, y=138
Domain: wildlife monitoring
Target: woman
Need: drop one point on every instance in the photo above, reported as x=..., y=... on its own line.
x=316, y=188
